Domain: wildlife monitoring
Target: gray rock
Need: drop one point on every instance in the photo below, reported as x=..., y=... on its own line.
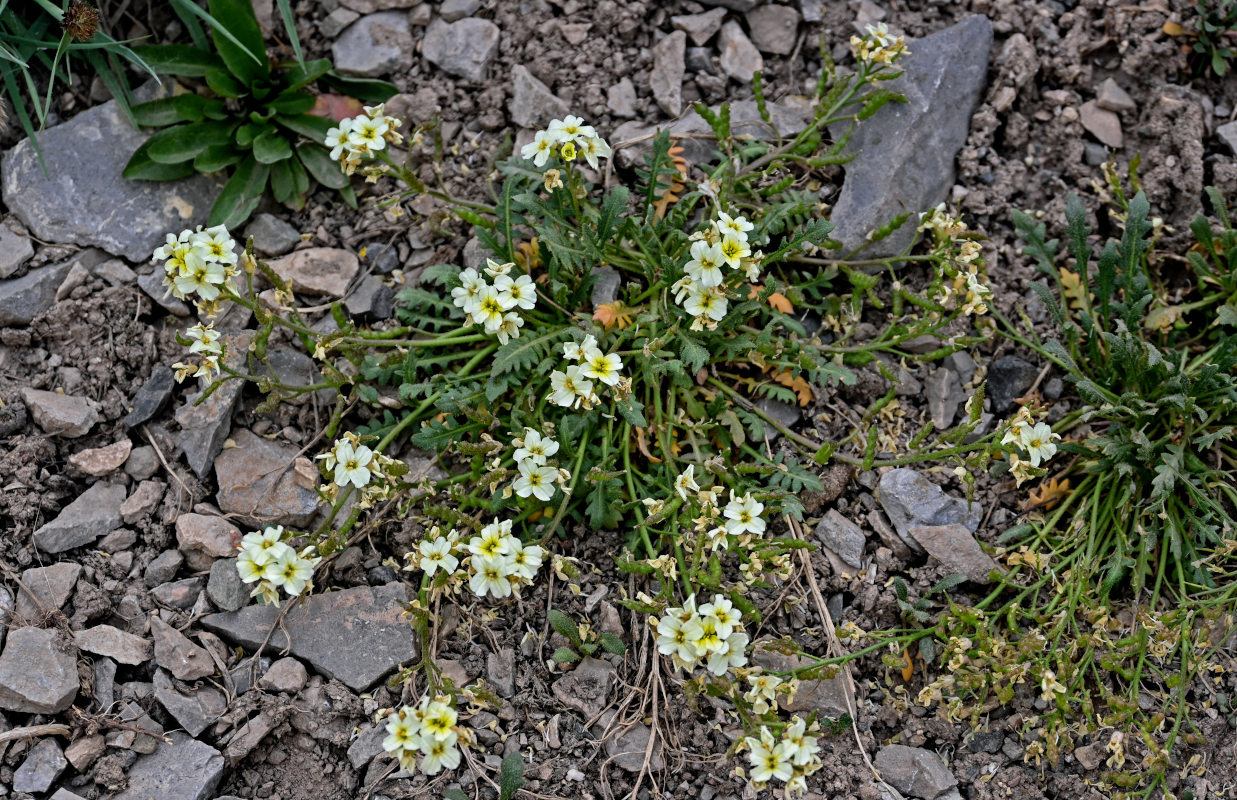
x=1008, y=378
x=1228, y=134
x=464, y=48
x=43, y=765
x=334, y=23
x=94, y=513
x=173, y=651
x=367, y=746
x=265, y=482
x=1094, y=154
x=15, y=250
x=104, y=682
x=986, y=742
x=532, y=104
x=1102, y=124
x=843, y=537
x=204, y=538
x=138, y=720
x=826, y=697
x=194, y=711
x=116, y=272
x=784, y=414
x=22, y=299
x=1111, y=97
x=1091, y=756
x=739, y=57
x=45, y=589
x=944, y=393
x=911, y=500
x=152, y=284
x=700, y=59
x=182, y=594
x=118, y=540
x=76, y=277
x=606, y=288
x=65, y=794
x=183, y=769
x=225, y=588
x=500, y=671
x=372, y=300
x=962, y=365
x=318, y=270
x=6, y=612
x=956, y=549
x=163, y=568
x=666, y=78
x=271, y=235
x=355, y=636
x=152, y=397
x=142, y=502
x=82, y=197
x=84, y=751
x=628, y=744
x=38, y=672
x=587, y=687
x=914, y=771
x=12, y=416
x=285, y=675
x=700, y=27
x=60, y=414
x=733, y=5
x=812, y=10
x=100, y=461
x=452, y=10
x=904, y=154
x=773, y=28
x=204, y=425
x=142, y=463
x=376, y=44
x=104, y=640
x=621, y=98
x=745, y=120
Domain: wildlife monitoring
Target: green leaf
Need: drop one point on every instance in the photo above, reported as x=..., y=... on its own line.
x=246, y=133
x=612, y=643
x=563, y=624
x=223, y=84
x=694, y=354
x=565, y=655
x=301, y=75
x=1226, y=315
x=177, y=59
x=190, y=107
x=454, y=794
x=289, y=27
x=321, y=166
x=525, y=352
x=238, y=39
x=291, y=102
x=632, y=410
x=216, y=157
x=142, y=167
x=312, y=127
x=241, y=194
x=289, y=182
x=510, y=776
x=363, y=89
x=157, y=113
x=184, y=142
x=270, y=147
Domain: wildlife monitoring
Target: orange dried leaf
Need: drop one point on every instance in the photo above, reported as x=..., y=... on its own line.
x=611, y=314
x=1047, y=494
x=643, y=447
x=669, y=195
x=777, y=300
x=909, y=670
x=795, y=383
x=1173, y=29
x=528, y=255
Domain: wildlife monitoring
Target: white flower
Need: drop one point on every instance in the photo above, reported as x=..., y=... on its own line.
x=732, y=653
x=803, y=747
x=494, y=269
x=574, y=351
x=510, y=327
x=733, y=226
x=337, y=139
x=215, y=244
x=686, y=482
x=744, y=515
x=495, y=540
x=705, y=266
x=200, y=276
x=436, y=555
x=769, y=760
x=367, y=135
x=571, y=128
x=439, y=754
x=540, y=148
x=676, y=637
x=593, y=148
x=291, y=572
x=490, y=577
x=352, y=464
x=438, y=720
x=1038, y=441
x=525, y=561
x=265, y=546
x=403, y=733
x=466, y=295
x=489, y=310
x=604, y=368
x=567, y=388
x=706, y=303
x=723, y=613
x=734, y=250
x=535, y=447
x=248, y=567
x=536, y=480
x=205, y=339
x=513, y=292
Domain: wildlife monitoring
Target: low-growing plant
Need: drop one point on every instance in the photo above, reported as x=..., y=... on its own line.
x=249, y=114
x=1215, y=35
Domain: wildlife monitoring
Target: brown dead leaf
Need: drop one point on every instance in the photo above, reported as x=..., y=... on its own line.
x=336, y=107
x=908, y=671
x=643, y=447
x=776, y=301
x=1074, y=289
x=1047, y=494
x=1173, y=29
x=801, y=387
x=669, y=195
x=611, y=314
x=528, y=256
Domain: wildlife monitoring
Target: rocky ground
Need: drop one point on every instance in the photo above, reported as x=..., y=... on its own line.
x=128, y=666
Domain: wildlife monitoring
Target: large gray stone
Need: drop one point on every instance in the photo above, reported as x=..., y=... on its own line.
x=914, y=771
x=843, y=537
x=533, y=105
x=911, y=500
x=745, y=120
x=94, y=513
x=376, y=44
x=182, y=769
x=175, y=652
x=83, y=199
x=464, y=48
x=45, y=589
x=225, y=588
x=826, y=697
x=355, y=636
x=956, y=548
x=904, y=154
x=194, y=711
x=61, y=414
x=152, y=397
x=205, y=422
x=22, y=299
x=105, y=640
x=666, y=79
x=15, y=250
x=43, y=765
x=265, y=482
x=38, y=672
x=587, y=687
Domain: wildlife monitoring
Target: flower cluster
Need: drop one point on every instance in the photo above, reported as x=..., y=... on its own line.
x=1036, y=439
x=573, y=388
x=358, y=466
x=962, y=254
x=493, y=305
x=537, y=478
x=569, y=139
x=496, y=561
x=204, y=342
x=790, y=758
x=702, y=290
x=712, y=633
x=266, y=559
x=430, y=729
x=199, y=265
x=878, y=46
x=361, y=137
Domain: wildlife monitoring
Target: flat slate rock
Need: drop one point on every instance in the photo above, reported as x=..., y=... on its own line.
x=83, y=199
x=153, y=396
x=183, y=769
x=904, y=154
x=94, y=513
x=266, y=483
x=355, y=636
x=38, y=672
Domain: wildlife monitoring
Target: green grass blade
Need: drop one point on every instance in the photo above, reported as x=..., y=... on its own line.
x=215, y=25
x=289, y=24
